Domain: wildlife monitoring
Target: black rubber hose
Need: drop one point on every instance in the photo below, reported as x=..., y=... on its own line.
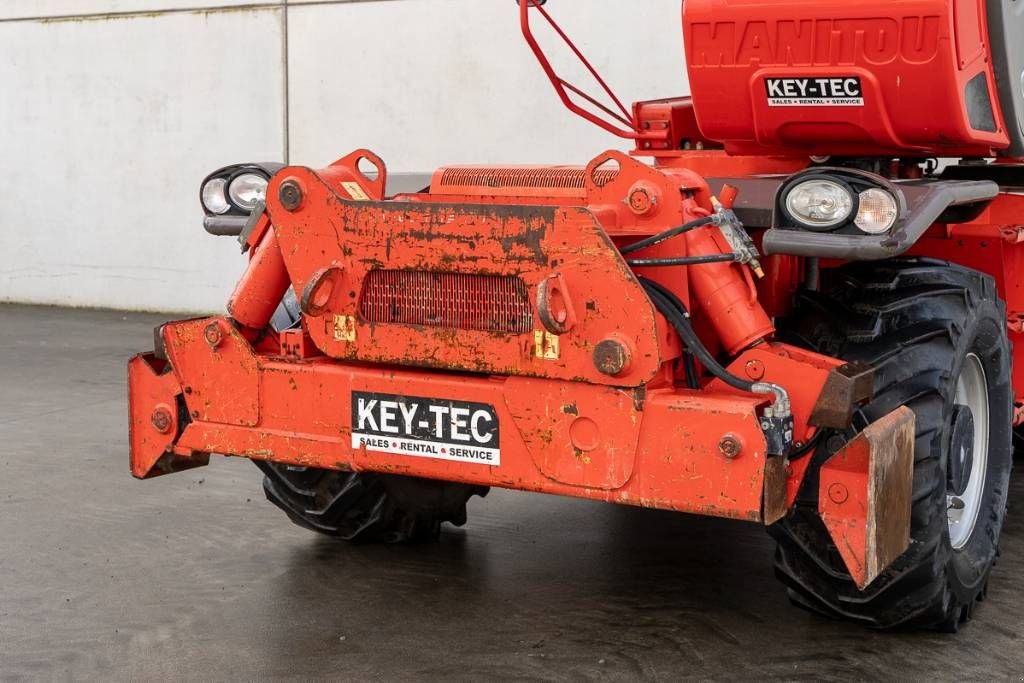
x=690, y=366
x=675, y=311
x=681, y=260
x=667, y=234
x=808, y=447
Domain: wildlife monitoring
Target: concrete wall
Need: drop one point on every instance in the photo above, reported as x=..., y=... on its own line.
x=113, y=110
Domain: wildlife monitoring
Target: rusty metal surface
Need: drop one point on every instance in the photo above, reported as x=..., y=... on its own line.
x=865, y=494
x=153, y=420
x=224, y=355
x=846, y=387
x=560, y=247
x=775, y=503
x=196, y=577
x=529, y=242
x=653, y=448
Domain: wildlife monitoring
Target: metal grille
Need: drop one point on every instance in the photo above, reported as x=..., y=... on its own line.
x=497, y=177
x=488, y=303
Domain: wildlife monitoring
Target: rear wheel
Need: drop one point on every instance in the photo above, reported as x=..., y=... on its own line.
x=365, y=506
x=361, y=506
x=936, y=334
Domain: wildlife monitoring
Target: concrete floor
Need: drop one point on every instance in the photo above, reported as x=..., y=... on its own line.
x=195, y=576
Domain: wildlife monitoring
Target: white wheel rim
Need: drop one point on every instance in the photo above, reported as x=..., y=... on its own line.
x=971, y=391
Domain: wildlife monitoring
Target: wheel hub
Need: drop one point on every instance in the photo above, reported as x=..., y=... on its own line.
x=961, y=449
x=968, y=452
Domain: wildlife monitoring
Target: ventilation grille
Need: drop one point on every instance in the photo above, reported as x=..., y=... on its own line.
x=486, y=303
x=498, y=179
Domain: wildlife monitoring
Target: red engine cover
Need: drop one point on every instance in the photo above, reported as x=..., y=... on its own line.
x=844, y=78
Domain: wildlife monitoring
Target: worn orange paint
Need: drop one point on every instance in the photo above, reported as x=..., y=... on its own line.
x=635, y=437
x=655, y=448
x=864, y=495
x=153, y=387
x=262, y=285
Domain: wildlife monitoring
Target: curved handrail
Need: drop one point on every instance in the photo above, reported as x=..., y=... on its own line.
x=621, y=122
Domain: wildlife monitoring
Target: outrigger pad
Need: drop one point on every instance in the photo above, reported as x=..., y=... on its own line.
x=864, y=495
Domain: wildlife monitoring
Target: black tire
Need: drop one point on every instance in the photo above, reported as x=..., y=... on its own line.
x=915, y=321
x=354, y=506
x=362, y=506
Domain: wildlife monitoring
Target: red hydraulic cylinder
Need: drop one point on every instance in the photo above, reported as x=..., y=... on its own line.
x=726, y=293
x=262, y=286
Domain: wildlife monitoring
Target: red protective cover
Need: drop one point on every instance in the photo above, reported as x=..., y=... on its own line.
x=843, y=78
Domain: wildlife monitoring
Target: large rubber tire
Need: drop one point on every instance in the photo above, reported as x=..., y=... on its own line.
x=361, y=506
x=915, y=321
x=366, y=507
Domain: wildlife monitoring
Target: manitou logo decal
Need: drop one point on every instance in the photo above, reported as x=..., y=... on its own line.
x=814, y=92
x=426, y=427
x=808, y=42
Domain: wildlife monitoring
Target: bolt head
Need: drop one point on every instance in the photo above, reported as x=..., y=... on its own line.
x=754, y=369
x=639, y=201
x=642, y=198
x=161, y=419
x=214, y=335
x=290, y=194
x=729, y=446
x=610, y=357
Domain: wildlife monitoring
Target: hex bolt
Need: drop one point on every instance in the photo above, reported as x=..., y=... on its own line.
x=730, y=446
x=214, y=335
x=838, y=493
x=161, y=419
x=290, y=194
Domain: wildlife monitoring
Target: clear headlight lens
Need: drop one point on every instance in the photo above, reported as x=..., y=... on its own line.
x=819, y=203
x=214, y=198
x=246, y=189
x=877, y=212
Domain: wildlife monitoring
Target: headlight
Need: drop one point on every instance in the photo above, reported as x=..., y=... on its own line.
x=246, y=189
x=877, y=211
x=820, y=203
x=214, y=198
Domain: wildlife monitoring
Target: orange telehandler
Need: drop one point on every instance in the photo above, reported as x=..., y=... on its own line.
x=791, y=303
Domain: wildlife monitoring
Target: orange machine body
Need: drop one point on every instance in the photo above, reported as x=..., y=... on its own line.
x=500, y=327
x=501, y=300
x=855, y=79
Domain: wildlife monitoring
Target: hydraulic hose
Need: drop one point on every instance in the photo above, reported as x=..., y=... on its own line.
x=690, y=365
x=683, y=260
x=776, y=420
x=675, y=312
x=667, y=234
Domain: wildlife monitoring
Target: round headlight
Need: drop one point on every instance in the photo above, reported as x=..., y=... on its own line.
x=246, y=189
x=877, y=212
x=819, y=203
x=214, y=199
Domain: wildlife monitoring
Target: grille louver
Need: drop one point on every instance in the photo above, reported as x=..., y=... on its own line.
x=485, y=303
x=564, y=181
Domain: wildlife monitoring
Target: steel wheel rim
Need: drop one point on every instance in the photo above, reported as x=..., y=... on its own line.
x=971, y=391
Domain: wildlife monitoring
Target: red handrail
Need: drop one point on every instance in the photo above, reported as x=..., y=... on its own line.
x=621, y=122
